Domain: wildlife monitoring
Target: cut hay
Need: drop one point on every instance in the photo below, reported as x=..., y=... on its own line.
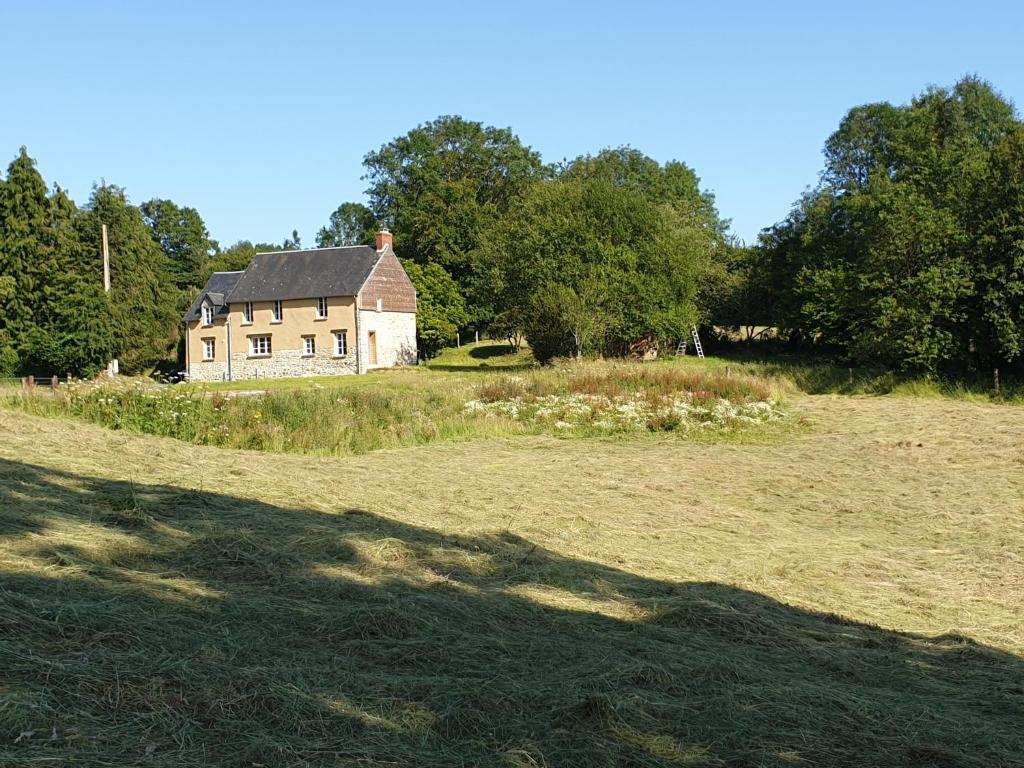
x=848, y=596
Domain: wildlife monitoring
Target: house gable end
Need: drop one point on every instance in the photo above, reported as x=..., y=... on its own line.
x=389, y=283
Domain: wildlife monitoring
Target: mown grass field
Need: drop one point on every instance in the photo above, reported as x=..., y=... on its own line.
x=847, y=593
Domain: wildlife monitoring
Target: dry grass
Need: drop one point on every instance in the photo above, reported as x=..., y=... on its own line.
x=619, y=378
x=851, y=595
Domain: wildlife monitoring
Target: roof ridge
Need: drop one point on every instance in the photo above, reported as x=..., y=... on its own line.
x=311, y=250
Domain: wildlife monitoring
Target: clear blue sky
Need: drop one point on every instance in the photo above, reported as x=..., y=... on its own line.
x=259, y=114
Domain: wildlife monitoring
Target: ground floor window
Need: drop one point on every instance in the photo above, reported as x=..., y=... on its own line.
x=341, y=343
x=209, y=349
x=259, y=346
x=309, y=345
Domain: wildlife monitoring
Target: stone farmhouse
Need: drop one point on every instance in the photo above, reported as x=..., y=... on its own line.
x=316, y=312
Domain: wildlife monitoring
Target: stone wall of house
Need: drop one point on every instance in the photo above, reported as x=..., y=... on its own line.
x=396, y=338
x=208, y=370
x=291, y=362
x=285, y=363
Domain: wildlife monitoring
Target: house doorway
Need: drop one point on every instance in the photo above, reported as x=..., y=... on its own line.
x=371, y=347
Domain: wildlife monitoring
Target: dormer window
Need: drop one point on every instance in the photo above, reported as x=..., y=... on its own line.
x=321, y=308
x=277, y=311
x=247, y=312
x=207, y=314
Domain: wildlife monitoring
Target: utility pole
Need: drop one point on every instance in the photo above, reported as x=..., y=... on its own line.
x=106, y=259
x=112, y=366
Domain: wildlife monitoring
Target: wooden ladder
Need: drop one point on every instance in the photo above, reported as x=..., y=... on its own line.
x=696, y=342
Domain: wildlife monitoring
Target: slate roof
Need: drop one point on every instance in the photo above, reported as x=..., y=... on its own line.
x=217, y=288
x=305, y=274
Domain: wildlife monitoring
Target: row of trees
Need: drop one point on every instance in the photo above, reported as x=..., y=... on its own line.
x=54, y=314
x=909, y=253
x=584, y=256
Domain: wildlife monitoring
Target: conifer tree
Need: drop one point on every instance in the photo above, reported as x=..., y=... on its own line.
x=73, y=331
x=25, y=256
x=142, y=297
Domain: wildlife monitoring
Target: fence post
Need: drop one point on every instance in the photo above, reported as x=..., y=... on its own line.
x=31, y=383
x=476, y=336
x=54, y=383
x=458, y=340
x=995, y=379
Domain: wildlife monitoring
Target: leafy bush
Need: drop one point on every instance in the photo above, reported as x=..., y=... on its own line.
x=440, y=308
x=8, y=358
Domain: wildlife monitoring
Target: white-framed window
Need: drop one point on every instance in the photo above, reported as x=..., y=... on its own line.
x=207, y=314
x=309, y=345
x=259, y=346
x=277, y=311
x=321, y=308
x=340, y=343
x=247, y=312
x=209, y=349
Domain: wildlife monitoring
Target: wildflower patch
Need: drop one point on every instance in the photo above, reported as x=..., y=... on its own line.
x=634, y=412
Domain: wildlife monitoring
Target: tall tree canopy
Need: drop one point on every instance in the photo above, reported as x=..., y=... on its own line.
x=26, y=251
x=904, y=254
x=183, y=236
x=439, y=185
x=54, y=316
x=350, y=224
x=673, y=183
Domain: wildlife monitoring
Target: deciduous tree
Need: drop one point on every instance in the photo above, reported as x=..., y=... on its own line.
x=440, y=310
x=904, y=255
x=350, y=224
x=438, y=186
x=183, y=236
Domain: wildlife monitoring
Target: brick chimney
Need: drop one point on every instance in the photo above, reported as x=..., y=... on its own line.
x=385, y=239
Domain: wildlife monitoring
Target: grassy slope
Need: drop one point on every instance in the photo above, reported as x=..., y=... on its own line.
x=808, y=374
x=487, y=356
x=529, y=602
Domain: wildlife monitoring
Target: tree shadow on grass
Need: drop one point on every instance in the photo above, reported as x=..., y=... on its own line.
x=487, y=351
x=483, y=367
x=149, y=625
